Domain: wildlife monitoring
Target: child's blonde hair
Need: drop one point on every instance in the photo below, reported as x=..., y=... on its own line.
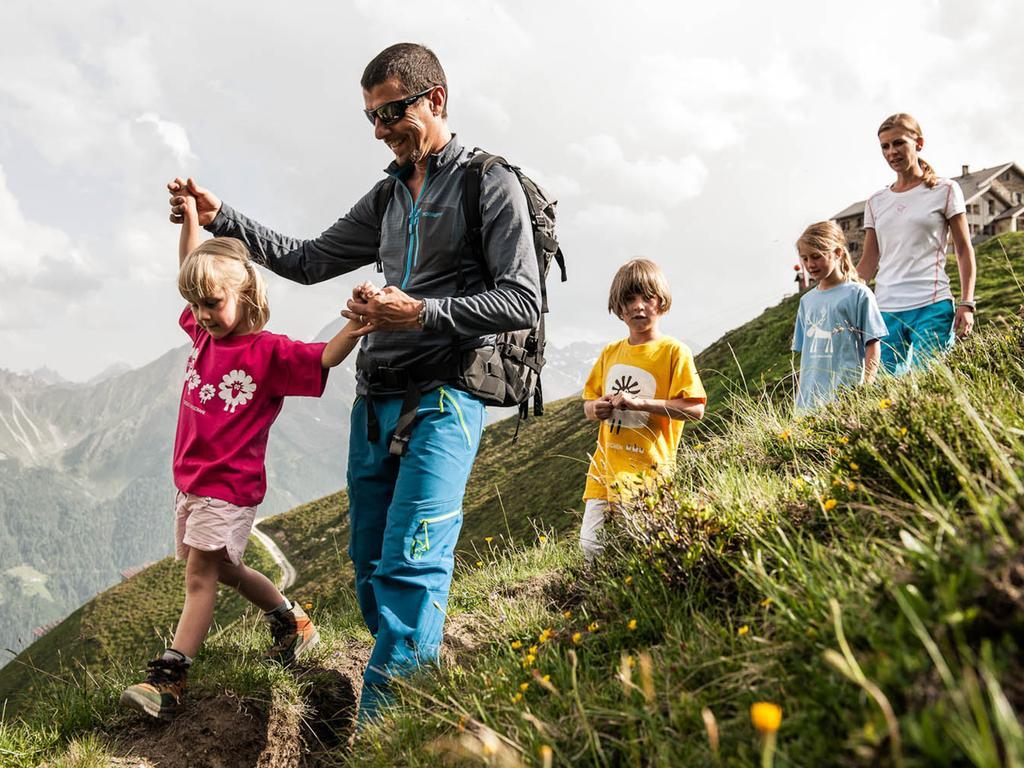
x=223, y=264
x=826, y=237
x=638, y=277
x=905, y=122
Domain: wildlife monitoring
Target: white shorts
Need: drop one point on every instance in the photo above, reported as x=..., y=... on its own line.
x=210, y=524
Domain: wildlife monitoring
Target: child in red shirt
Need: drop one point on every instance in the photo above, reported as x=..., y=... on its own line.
x=236, y=379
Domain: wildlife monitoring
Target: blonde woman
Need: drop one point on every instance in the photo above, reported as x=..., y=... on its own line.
x=838, y=324
x=908, y=226
x=235, y=382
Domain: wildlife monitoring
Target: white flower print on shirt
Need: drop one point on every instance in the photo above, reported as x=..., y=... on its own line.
x=206, y=392
x=192, y=380
x=236, y=389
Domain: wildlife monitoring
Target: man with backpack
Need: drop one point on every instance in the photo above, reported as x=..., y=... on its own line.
x=430, y=359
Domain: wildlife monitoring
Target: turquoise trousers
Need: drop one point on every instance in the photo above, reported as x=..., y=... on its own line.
x=405, y=517
x=916, y=336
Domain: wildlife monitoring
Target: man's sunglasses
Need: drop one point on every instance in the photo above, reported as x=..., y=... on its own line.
x=393, y=111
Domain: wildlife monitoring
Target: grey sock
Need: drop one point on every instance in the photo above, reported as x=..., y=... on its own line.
x=172, y=655
x=280, y=610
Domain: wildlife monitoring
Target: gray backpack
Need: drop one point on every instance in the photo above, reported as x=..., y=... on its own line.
x=509, y=373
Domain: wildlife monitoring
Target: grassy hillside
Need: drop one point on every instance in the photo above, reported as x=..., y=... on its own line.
x=127, y=624
x=860, y=568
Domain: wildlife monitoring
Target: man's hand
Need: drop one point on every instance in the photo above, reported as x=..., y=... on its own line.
x=964, y=322
x=207, y=203
x=390, y=309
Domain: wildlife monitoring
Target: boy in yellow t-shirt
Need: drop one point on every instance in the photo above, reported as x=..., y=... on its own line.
x=641, y=388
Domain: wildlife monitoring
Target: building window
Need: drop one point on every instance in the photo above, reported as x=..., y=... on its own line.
x=1006, y=176
x=991, y=207
x=1017, y=197
x=860, y=221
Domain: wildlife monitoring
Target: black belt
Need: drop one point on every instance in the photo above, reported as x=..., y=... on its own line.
x=388, y=381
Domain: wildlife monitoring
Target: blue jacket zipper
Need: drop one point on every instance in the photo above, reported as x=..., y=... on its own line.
x=412, y=251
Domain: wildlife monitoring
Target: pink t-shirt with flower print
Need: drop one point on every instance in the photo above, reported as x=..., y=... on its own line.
x=234, y=388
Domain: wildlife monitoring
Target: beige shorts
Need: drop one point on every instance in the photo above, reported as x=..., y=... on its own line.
x=210, y=524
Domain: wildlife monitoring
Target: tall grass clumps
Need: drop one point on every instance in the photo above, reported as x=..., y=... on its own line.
x=858, y=570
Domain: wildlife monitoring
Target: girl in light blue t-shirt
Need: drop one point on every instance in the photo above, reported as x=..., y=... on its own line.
x=838, y=324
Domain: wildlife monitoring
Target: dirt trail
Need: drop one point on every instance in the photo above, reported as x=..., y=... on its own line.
x=230, y=732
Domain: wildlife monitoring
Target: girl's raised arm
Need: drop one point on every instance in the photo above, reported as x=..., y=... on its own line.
x=189, y=238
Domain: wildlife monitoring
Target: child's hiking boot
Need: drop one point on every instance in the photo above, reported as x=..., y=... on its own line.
x=161, y=693
x=293, y=634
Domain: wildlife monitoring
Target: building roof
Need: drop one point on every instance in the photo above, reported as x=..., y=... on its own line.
x=1011, y=213
x=978, y=182
x=973, y=184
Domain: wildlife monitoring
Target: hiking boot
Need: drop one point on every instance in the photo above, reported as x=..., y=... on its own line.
x=161, y=693
x=293, y=634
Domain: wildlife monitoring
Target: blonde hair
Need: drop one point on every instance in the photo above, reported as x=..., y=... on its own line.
x=639, y=277
x=825, y=237
x=907, y=123
x=223, y=264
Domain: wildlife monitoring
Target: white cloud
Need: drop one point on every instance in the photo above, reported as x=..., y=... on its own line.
x=617, y=222
x=659, y=181
x=172, y=134
x=28, y=247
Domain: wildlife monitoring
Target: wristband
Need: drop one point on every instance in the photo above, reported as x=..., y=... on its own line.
x=421, y=318
x=972, y=305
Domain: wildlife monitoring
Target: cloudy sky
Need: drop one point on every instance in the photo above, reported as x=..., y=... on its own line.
x=705, y=136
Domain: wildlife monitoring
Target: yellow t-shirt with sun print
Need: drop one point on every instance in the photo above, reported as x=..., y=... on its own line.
x=635, y=446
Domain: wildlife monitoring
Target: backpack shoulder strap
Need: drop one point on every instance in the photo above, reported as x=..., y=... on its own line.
x=385, y=191
x=479, y=164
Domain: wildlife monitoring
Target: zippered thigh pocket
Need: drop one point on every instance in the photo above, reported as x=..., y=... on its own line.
x=432, y=536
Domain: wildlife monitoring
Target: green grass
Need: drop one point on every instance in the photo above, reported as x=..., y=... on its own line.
x=128, y=623
x=860, y=568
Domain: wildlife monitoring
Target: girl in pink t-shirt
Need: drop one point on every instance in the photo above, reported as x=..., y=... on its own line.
x=236, y=379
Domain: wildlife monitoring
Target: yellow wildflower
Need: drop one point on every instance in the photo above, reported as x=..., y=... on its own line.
x=851, y=486
x=766, y=602
x=593, y=626
x=528, y=661
x=488, y=539
x=542, y=538
x=567, y=614
x=844, y=440
x=903, y=431
x=546, y=635
x=631, y=625
x=884, y=403
x=524, y=687
x=517, y=698
x=743, y=630
x=516, y=645
x=308, y=607
x=532, y=649
x=798, y=483
x=784, y=435
x=629, y=579
x=854, y=466
x=829, y=504
x=577, y=638
x=479, y=563
x=765, y=716
x=546, y=756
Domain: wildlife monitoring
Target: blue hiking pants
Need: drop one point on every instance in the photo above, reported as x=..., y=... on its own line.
x=916, y=336
x=405, y=516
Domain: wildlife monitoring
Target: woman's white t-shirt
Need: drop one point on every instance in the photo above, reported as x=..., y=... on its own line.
x=912, y=229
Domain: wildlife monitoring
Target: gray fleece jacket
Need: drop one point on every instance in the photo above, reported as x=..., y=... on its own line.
x=420, y=243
